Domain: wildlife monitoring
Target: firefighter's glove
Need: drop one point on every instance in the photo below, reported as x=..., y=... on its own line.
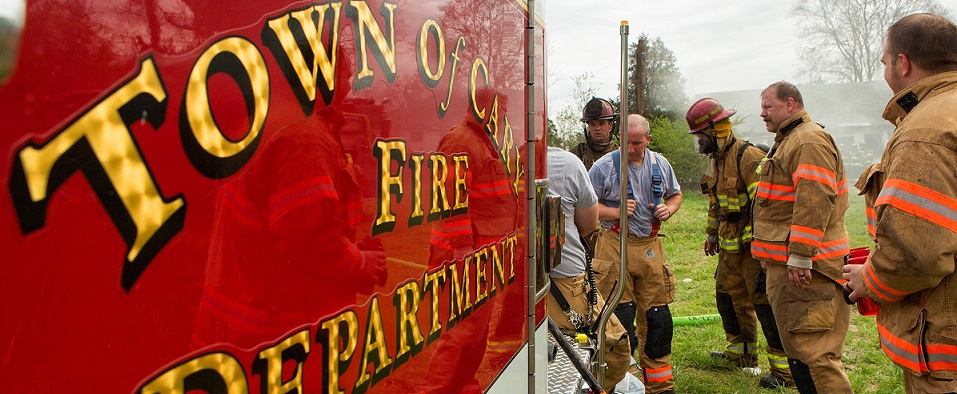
x=711, y=245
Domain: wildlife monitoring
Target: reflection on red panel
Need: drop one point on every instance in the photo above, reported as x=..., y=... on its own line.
x=327, y=197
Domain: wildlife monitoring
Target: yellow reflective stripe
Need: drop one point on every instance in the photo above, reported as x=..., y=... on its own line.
x=779, y=362
x=752, y=347
x=734, y=243
x=746, y=237
x=752, y=190
x=722, y=201
x=743, y=200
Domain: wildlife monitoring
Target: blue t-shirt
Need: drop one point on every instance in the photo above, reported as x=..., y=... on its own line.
x=605, y=181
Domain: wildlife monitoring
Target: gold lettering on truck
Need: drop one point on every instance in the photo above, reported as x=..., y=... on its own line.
x=295, y=347
x=281, y=39
x=214, y=372
x=100, y=145
x=210, y=151
x=339, y=336
x=367, y=29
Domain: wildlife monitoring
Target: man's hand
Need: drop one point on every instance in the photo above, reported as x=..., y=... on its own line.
x=854, y=285
x=662, y=212
x=799, y=270
x=799, y=277
x=372, y=269
x=711, y=245
x=630, y=206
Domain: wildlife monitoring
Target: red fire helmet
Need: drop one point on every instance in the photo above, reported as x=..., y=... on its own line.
x=706, y=112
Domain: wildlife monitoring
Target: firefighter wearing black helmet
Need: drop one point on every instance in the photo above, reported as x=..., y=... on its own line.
x=599, y=117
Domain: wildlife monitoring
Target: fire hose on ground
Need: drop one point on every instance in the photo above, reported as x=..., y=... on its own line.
x=699, y=320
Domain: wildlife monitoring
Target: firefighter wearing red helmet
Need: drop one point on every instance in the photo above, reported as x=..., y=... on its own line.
x=730, y=184
x=599, y=117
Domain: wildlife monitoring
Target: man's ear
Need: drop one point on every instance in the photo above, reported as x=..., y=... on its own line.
x=904, y=65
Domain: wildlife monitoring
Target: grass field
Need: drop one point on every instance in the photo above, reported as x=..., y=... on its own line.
x=696, y=372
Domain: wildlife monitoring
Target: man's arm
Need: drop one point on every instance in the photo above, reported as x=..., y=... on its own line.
x=918, y=199
x=612, y=213
x=586, y=219
x=665, y=211
x=672, y=202
x=816, y=191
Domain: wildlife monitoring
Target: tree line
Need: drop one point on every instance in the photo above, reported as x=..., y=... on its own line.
x=841, y=42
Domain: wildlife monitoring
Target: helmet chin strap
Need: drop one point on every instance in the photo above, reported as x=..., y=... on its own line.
x=594, y=144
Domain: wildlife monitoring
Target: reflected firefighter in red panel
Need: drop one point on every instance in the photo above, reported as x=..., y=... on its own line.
x=283, y=251
x=492, y=215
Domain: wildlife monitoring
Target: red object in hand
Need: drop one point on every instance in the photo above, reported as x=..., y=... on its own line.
x=865, y=306
x=862, y=251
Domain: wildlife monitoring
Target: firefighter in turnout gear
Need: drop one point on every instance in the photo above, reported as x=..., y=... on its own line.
x=730, y=184
x=799, y=236
x=911, y=271
x=599, y=117
x=654, y=196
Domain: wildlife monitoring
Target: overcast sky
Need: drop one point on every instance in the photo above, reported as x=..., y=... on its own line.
x=720, y=46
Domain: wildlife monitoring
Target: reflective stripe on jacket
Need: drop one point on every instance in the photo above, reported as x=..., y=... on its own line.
x=730, y=195
x=912, y=270
x=801, y=199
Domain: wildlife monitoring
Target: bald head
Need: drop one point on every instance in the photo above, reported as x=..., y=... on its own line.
x=638, y=123
x=639, y=136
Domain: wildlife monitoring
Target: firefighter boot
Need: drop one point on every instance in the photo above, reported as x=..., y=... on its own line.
x=772, y=381
x=741, y=354
x=777, y=358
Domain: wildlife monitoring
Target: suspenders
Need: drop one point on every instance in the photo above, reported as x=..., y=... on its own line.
x=656, y=181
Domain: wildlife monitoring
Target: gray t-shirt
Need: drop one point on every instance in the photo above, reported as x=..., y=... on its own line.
x=606, y=184
x=568, y=179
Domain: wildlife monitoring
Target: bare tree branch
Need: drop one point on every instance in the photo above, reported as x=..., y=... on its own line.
x=843, y=38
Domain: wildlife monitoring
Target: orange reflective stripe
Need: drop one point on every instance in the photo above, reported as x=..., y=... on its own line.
x=491, y=189
x=904, y=353
x=920, y=201
x=662, y=374
x=445, y=234
x=806, y=235
x=353, y=213
x=775, y=192
x=941, y=357
x=835, y=248
x=871, y=221
x=766, y=251
x=883, y=291
x=815, y=173
x=842, y=187
x=300, y=194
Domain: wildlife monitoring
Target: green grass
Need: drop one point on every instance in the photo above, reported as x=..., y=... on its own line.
x=868, y=368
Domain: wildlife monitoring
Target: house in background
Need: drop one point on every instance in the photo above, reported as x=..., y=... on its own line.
x=850, y=112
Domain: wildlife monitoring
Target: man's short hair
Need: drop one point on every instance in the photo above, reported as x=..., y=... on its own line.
x=928, y=40
x=640, y=120
x=783, y=90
